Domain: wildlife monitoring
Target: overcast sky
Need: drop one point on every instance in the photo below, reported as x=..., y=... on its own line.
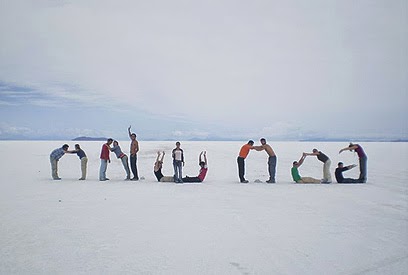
x=184, y=69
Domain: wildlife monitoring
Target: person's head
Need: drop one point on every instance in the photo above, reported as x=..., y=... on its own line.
x=133, y=136
x=115, y=143
x=202, y=164
x=251, y=142
x=178, y=144
x=77, y=146
x=295, y=163
x=340, y=164
x=315, y=151
x=65, y=147
x=109, y=141
x=263, y=141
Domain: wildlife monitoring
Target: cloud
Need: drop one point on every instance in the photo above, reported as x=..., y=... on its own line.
x=234, y=67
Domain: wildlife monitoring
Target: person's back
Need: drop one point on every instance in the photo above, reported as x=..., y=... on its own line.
x=117, y=150
x=295, y=174
x=339, y=174
x=202, y=173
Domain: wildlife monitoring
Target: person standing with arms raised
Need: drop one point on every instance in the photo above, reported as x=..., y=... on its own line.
x=243, y=153
x=134, y=149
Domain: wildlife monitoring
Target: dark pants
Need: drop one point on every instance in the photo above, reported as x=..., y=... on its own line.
x=272, y=168
x=363, y=169
x=191, y=179
x=133, y=160
x=348, y=180
x=241, y=168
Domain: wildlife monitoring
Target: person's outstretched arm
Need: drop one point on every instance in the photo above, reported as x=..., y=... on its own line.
x=300, y=162
x=162, y=158
x=205, y=157
x=199, y=158
x=129, y=130
x=348, y=148
x=158, y=156
x=311, y=154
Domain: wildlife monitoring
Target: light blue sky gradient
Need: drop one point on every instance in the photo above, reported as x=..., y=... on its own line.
x=204, y=69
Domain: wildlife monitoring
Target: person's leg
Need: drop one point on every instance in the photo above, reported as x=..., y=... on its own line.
x=175, y=167
x=309, y=180
x=54, y=169
x=126, y=166
x=272, y=169
x=84, y=162
x=363, y=169
x=326, y=171
x=349, y=180
x=180, y=171
x=191, y=179
x=136, y=172
x=167, y=179
x=102, y=170
x=241, y=169
x=133, y=165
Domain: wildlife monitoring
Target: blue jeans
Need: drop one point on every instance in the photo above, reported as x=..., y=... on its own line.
x=126, y=165
x=178, y=170
x=272, y=168
x=102, y=170
x=363, y=169
x=133, y=160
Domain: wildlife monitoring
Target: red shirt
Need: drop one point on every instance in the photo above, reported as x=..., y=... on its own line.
x=203, y=172
x=243, y=153
x=105, y=152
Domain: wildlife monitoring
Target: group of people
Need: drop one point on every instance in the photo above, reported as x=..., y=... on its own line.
x=245, y=149
x=178, y=162
x=113, y=146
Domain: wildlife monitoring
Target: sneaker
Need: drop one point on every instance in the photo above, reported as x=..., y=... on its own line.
x=81, y=179
x=135, y=179
x=56, y=178
x=271, y=181
x=325, y=181
x=244, y=181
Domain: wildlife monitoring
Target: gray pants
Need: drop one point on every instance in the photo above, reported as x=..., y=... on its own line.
x=272, y=168
x=363, y=169
x=84, y=162
x=54, y=168
x=102, y=170
x=125, y=164
x=326, y=171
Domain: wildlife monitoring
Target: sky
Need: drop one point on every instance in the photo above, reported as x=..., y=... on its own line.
x=283, y=70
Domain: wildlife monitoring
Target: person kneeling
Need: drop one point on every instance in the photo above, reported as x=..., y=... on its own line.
x=203, y=170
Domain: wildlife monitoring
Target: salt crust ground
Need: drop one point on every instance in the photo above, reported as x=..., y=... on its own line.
x=218, y=227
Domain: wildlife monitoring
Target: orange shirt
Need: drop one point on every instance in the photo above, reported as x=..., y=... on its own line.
x=243, y=153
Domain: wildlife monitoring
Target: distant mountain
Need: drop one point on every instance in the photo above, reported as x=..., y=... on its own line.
x=90, y=139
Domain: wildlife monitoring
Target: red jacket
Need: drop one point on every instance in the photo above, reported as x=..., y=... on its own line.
x=105, y=152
